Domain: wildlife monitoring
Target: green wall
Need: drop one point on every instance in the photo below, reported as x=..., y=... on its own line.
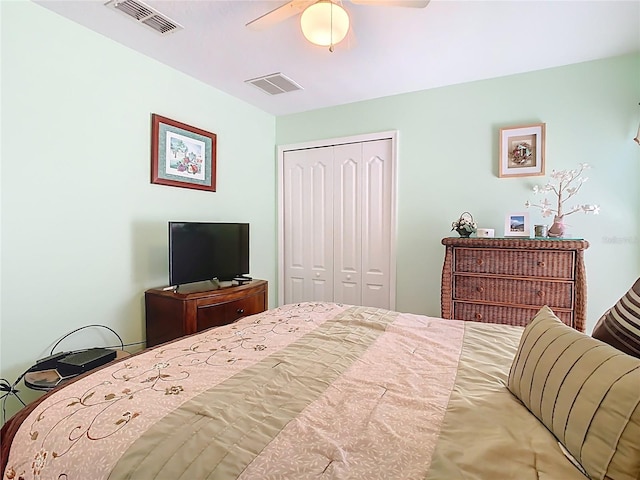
x=84, y=232
x=448, y=164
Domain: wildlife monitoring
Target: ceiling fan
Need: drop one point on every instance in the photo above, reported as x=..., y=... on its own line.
x=323, y=22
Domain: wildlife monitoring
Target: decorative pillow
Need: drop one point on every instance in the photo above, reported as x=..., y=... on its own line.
x=586, y=392
x=620, y=326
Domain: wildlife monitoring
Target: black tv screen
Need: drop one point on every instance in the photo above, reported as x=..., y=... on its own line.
x=201, y=251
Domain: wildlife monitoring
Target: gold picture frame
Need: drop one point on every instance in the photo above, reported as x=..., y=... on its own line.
x=522, y=151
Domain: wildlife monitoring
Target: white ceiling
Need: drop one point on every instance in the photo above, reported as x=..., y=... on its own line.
x=390, y=50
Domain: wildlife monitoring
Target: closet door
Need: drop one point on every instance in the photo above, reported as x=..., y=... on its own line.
x=377, y=223
x=337, y=221
x=308, y=225
x=347, y=227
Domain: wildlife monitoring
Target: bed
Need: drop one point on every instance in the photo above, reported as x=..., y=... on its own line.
x=321, y=390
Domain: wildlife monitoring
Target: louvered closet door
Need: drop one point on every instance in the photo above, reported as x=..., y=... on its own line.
x=308, y=225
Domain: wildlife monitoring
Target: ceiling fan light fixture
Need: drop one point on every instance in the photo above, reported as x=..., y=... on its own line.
x=324, y=23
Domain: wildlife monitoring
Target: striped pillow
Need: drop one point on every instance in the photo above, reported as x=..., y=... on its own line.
x=620, y=326
x=585, y=392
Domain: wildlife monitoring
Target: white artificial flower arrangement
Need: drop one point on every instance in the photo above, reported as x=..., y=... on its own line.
x=564, y=184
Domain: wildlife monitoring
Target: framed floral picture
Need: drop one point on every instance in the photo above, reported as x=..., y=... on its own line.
x=182, y=155
x=522, y=151
x=517, y=225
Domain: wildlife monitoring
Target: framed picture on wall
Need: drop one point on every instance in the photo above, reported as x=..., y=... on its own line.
x=517, y=225
x=522, y=151
x=182, y=155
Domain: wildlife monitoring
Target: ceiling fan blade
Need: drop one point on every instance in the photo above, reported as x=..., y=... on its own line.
x=393, y=3
x=279, y=14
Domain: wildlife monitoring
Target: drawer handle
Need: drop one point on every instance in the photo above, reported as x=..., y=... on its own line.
x=240, y=310
x=480, y=289
x=540, y=293
x=478, y=316
x=541, y=264
x=479, y=261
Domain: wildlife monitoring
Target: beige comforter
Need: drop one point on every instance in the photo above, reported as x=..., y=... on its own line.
x=315, y=390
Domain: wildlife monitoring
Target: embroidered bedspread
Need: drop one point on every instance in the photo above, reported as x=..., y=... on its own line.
x=313, y=390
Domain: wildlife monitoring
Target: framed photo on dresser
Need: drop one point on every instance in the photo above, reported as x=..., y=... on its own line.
x=517, y=225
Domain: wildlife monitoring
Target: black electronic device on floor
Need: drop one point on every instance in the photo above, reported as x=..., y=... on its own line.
x=50, y=371
x=83, y=361
x=48, y=363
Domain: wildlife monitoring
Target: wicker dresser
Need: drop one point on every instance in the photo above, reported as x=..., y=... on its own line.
x=507, y=280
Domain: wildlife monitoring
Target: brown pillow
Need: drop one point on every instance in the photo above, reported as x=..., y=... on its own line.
x=586, y=393
x=620, y=326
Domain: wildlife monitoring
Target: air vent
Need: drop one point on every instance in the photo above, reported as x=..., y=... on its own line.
x=146, y=15
x=274, y=84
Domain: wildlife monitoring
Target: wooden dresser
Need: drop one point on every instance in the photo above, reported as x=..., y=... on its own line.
x=507, y=280
x=172, y=315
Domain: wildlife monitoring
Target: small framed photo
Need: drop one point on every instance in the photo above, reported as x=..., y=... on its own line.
x=182, y=155
x=517, y=225
x=522, y=151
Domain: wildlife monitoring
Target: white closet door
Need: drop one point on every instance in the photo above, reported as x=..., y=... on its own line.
x=377, y=223
x=347, y=228
x=337, y=221
x=308, y=225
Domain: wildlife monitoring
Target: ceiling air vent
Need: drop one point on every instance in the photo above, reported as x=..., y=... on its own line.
x=146, y=15
x=274, y=84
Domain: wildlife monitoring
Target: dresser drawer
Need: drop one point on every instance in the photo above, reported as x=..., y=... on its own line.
x=526, y=263
x=513, y=291
x=501, y=314
x=224, y=313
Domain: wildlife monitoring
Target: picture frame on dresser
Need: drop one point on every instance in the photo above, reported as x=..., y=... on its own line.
x=182, y=155
x=517, y=225
x=522, y=151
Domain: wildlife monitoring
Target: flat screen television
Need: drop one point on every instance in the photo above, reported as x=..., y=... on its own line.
x=201, y=251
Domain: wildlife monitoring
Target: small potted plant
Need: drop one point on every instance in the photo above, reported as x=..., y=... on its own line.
x=465, y=225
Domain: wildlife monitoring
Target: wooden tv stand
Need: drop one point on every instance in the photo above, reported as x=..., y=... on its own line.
x=172, y=315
